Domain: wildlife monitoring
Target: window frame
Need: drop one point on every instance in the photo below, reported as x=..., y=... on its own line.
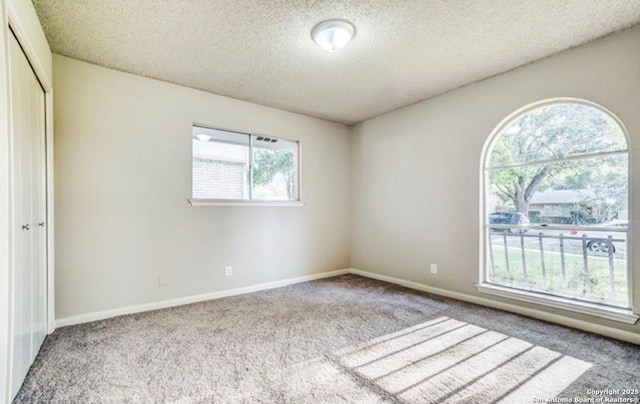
x=250, y=202
x=624, y=315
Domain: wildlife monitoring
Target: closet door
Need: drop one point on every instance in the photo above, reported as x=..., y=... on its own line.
x=39, y=218
x=29, y=276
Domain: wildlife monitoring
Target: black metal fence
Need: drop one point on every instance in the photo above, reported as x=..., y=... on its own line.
x=580, y=245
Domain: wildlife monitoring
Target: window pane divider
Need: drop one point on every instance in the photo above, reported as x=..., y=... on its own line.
x=554, y=227
x=250, y=167
x=560, y=160
x=243, y=202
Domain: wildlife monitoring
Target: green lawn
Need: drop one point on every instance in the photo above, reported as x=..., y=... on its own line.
x=598, y=279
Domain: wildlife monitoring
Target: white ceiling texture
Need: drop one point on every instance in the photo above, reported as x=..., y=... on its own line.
x=261, y=50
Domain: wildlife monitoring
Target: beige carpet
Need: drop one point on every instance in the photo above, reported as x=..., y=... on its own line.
x=346, y=339
x=445, y=360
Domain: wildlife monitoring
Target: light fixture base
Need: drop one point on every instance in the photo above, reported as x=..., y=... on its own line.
x=333, y=35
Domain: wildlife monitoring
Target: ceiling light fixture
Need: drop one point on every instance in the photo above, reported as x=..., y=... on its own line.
x=203, y=137
x=333, y=35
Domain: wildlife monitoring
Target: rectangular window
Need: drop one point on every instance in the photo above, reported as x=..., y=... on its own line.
x=233, y=166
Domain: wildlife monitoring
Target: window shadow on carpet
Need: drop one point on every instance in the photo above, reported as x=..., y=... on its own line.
x=445, y=360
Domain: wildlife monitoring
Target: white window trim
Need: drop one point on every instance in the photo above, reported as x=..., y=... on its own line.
x=222, y=202
x=594, y=309
x=624, y=315
x=251, y=202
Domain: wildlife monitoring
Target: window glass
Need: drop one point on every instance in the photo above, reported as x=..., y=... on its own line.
x=237, y=166
x=556, y=131
x=557, y=204
x=220, y=164
x=274, y=169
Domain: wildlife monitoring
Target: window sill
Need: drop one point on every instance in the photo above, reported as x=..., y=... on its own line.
x=610, y=313
x=219, y=202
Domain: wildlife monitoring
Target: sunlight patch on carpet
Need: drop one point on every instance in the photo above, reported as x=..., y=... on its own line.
x=445, y=360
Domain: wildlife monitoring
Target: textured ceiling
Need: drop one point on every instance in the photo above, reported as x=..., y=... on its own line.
x=261, y=51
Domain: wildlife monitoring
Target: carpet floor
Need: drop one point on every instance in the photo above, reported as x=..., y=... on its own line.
x=345, y=339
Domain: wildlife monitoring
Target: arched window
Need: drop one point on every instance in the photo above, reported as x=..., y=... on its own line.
x=556, y=205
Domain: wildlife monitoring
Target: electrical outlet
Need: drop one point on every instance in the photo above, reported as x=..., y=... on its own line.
x=162, y=280
x=228, y=271
x=434, y=268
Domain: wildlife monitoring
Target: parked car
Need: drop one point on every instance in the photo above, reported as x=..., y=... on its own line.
x=601, y=245
x=509, y=218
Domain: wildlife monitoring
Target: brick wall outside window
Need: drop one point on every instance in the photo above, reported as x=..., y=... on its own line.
x=215, y=179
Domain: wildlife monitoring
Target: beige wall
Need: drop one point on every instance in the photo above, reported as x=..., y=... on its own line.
x=410, y=177
x=123, y=177
x=415, y=172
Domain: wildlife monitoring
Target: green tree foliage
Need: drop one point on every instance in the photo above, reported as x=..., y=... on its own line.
x=554, y=132
x=609, y=181
x=269, y=163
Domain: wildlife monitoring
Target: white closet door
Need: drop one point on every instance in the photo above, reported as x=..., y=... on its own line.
x=29, y=277
x=39, y=218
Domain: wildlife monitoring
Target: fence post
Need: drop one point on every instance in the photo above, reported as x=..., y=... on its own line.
x=587, y=282
x=612, y=278
x=493, y=271
x=506, y=255
x=524, y=258
x=562, y=263
x=544, y=270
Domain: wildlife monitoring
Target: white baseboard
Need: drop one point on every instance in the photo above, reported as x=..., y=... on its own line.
x=541, y=315
x=139, y=308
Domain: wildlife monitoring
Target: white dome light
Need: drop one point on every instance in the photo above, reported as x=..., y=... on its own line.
x=333, y=35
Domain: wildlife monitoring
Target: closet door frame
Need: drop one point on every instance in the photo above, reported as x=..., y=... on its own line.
x=18, y=16
x=16, y=25
x=5, y=210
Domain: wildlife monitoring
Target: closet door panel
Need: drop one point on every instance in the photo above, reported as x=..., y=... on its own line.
x=22, y=205
x=29, y=211
x=39, y=212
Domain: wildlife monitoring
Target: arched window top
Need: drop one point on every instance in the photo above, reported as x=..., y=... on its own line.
x=556, y=207
x=556, y=130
